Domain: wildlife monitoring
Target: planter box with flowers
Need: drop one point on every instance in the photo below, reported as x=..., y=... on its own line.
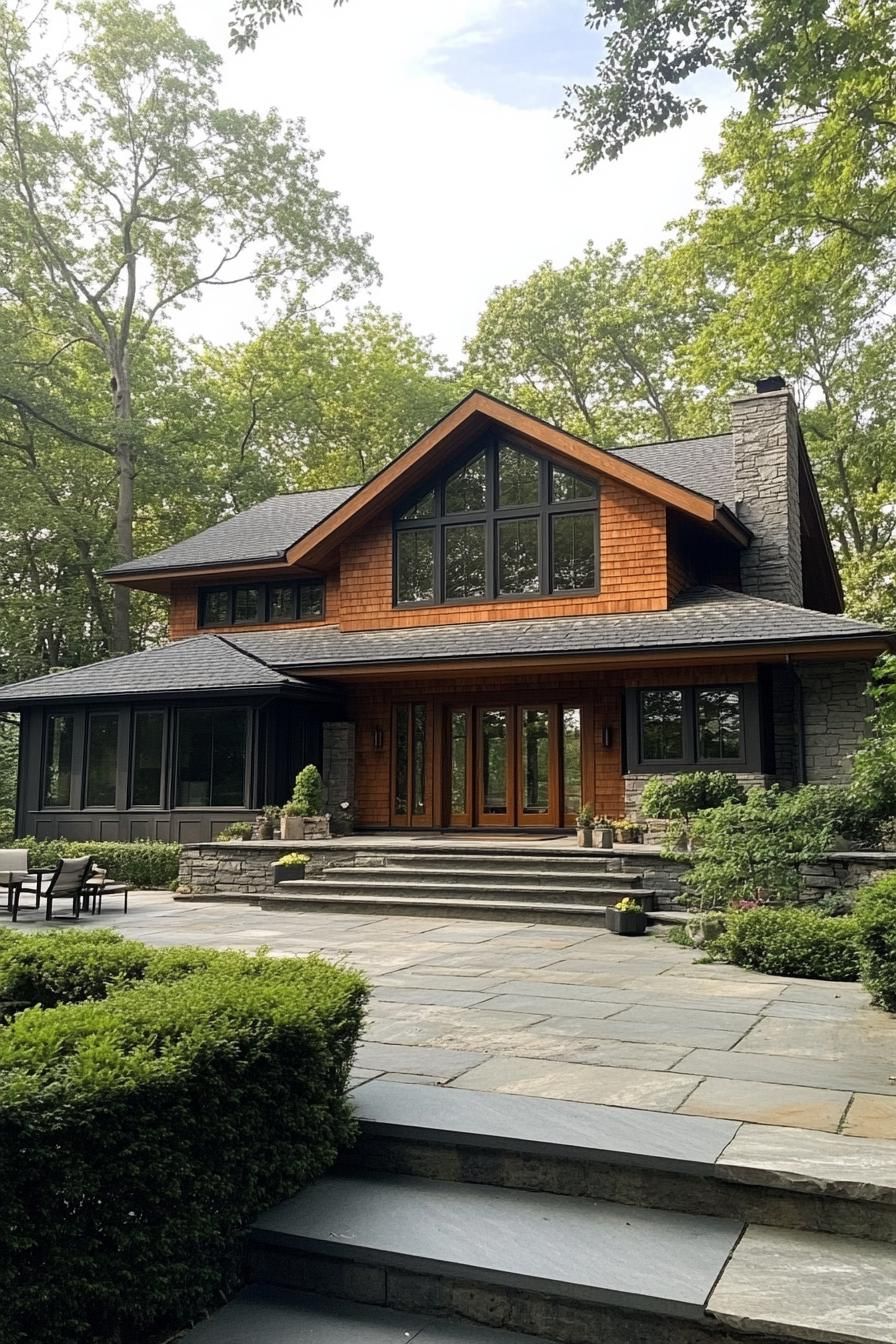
x=626, y=917
x=593, y=832
x=290, y=868
x=301, y=817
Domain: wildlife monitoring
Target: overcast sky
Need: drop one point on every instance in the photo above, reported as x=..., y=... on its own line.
x=437, y=120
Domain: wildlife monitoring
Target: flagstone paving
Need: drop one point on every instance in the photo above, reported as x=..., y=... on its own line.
x=577, y=1014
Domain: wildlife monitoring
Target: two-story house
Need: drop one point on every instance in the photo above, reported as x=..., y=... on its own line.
x=504, y=623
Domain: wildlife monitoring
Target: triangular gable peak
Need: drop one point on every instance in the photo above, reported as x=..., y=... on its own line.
x=456, y=436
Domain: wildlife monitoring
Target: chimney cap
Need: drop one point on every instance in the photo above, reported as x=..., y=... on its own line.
x=774, y=383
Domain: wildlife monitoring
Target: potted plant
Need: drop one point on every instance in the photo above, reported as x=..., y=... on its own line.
x=266, y=821
x=236, y=830
x=585, y=826
x=627, y=832
x=304, y=805
x=678, y=799
x=290, y=868
x=626, y=917
x=603, y=833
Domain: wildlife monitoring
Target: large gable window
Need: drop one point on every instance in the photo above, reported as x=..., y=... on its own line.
x=502, y=524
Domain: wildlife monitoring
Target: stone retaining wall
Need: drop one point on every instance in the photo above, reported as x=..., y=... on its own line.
x=846, y=872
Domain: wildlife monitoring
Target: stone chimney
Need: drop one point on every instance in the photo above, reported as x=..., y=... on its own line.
x=766, y=434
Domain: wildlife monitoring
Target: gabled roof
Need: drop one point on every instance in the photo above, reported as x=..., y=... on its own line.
x=469, y=418
x=263, y=533
x=703, y=621
x=207, y=663
x=302, y=529
x=705, y=465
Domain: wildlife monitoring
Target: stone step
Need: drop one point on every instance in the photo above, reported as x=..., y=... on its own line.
x=265, y=1315
x=493, y=855
x=441, y=907
x=357, y=884
x=571, y=1269
x=785, y=1178
x=448, y=1243
x=484, y=876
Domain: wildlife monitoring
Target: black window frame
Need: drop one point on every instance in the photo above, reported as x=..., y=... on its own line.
x=248, y=747
x=90, y=717
x=74, y=766
x=263, y=614
x=490, y=517
x=164, y=714
x=748, y=761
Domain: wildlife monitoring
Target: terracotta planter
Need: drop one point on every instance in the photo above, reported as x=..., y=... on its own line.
x=629, y=923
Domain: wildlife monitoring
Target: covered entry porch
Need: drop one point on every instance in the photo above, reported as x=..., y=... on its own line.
x=521, y=753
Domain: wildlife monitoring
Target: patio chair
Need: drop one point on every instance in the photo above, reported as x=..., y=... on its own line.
x=67, y=883
x=14, y=861
x=97, y=886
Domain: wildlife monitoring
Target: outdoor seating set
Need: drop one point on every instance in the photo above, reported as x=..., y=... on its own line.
x=73, y=883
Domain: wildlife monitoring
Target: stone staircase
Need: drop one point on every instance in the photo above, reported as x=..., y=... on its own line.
x=485, y=881
x=476, y=1218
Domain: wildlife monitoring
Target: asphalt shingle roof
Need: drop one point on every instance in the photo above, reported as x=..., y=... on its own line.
x=702, y=618
x=264, y=532
x=205, y=662
x=705, y=465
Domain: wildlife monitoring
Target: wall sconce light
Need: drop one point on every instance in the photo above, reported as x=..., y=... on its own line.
x=378, y=738
x=606, y=736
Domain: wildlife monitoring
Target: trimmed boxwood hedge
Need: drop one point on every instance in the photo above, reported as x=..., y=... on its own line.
x=140, y=1131
x=875, y=919
x=790, y=941
x=144, y=864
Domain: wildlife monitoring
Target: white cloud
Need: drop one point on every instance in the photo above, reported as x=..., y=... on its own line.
x=461, y=192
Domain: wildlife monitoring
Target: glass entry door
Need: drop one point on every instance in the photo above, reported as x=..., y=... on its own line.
x=515, y=769
x=412, y=765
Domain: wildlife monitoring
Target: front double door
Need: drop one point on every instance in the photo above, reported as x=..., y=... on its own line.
x=504, y=765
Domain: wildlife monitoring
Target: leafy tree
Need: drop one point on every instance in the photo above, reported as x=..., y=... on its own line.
x=126, y=189
x=325, y=405
x=594, y=346
x=249, y=17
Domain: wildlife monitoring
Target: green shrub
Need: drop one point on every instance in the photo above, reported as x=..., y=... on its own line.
x=68, y=966
x=143, y=864
x=753, y=850
x=684, y=795
x=875, y=918
x=794, y=941
x=236, y=830
x=308, y=794
x=140, y=1133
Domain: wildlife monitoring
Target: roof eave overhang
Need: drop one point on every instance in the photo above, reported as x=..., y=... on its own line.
x=318, y=690
x=657, y=655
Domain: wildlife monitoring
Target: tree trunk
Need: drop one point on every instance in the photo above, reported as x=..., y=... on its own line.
x=124, y=513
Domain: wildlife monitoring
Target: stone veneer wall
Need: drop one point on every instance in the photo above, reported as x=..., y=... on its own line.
x=765, y=429
x=338, y=765
x=835, y=711
x=846, y=872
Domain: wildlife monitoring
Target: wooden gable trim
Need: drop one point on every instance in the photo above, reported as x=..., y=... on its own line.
x=459, y=426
